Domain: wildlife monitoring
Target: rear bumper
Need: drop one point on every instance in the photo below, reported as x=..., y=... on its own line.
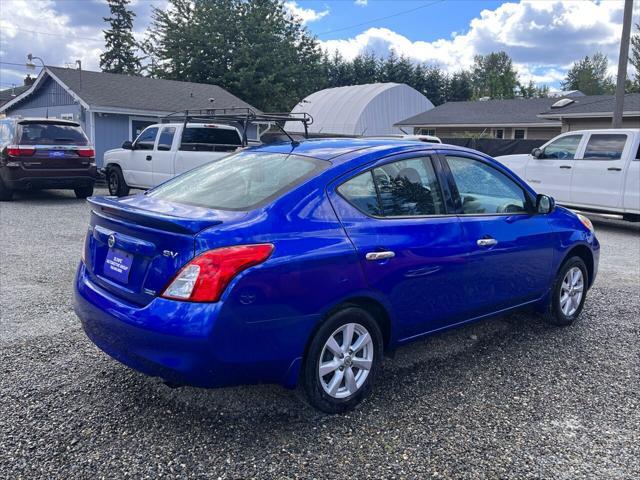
x=181, y=342
x=16, y=178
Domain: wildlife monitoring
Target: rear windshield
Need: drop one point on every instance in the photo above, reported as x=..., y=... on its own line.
x=207, y=138
x=242, y=181
x=46, y=133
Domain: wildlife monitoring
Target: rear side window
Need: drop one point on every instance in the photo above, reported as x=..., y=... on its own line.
x=406, y=188
x=146, y=139
x=242, y=181
x=50, y=133
x=605, y=147
x=166, y=138
x=209, y=139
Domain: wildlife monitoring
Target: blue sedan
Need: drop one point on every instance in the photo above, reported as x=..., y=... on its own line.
x=302, y=264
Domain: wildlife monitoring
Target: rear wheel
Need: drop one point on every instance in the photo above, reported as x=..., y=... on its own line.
x=343, y=360
x=569, y=293
x=6, y=194
x=116, y=182
x=83, y=192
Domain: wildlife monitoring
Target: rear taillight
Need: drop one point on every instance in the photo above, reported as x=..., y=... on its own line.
x=86, y=152
x=205, y=277
x=20, y=151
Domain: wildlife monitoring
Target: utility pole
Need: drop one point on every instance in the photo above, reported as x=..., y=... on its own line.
x=623, y=59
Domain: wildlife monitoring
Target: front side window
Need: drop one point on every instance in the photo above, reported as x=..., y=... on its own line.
x=166, y=138
x=563, y=148
x=605, y=146
x=146, y=139
x=242, y=181
x=484, y=190
x=406, y=188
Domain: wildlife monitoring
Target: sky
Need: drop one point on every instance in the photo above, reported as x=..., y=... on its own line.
x=543, y=37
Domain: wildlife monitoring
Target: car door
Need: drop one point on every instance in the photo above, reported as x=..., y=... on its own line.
x=551, y=173
x=631, y=196
x=137, y=169
x=510, y=248
x=408, y=242
x=162, y=164
x=598, y=173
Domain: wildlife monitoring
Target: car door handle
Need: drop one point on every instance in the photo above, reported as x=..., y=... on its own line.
x=380, y=255
x=486, y=242
x=565, y=166
x=148, y=157
x=614, y=169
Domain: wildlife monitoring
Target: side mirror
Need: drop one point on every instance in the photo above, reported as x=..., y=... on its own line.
x=127, y=145
x=537, y=153
x=545, y=204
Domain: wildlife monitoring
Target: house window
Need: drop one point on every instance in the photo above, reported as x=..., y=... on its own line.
x=498, y=133
x=427, y=131
x=66, y=116
x=519, y=133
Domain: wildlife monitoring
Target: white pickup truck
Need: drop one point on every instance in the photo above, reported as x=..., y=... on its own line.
x=164, y=150
x=590, y=170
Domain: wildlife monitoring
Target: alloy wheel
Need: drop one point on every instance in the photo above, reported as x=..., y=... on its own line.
x=346, y=360
x=571, y=291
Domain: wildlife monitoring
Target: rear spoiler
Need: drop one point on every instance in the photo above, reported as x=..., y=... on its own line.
x=113, y=208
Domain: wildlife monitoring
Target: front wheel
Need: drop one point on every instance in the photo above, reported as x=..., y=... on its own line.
x=116, y=183
x=568, y=293
x=343, y=360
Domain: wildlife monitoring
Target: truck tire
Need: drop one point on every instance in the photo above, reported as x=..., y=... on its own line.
x=6, y=194
x=116, y=182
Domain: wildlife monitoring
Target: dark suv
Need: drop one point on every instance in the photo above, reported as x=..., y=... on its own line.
x=38, y=153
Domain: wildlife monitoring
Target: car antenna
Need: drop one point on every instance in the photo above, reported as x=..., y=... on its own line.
x=294, y=143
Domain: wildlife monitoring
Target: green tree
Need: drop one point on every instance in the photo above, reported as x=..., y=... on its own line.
x=435, y=85
x=589, y=75
x=255, y=49
x=365, y=69
x=531, y=90
x=634, y=59
x=494, y=76
x=120, y=54
x=460, y=87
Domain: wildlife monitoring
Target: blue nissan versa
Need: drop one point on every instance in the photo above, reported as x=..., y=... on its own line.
x=302, y=263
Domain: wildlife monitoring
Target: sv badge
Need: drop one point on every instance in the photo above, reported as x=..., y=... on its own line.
x=169, y=253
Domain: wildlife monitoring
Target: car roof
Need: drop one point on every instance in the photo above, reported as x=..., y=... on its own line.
x=338, y=149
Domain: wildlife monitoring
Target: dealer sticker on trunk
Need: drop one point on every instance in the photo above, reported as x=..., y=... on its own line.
x=118, y=264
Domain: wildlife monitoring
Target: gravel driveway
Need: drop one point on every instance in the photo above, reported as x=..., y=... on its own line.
x=506, y=398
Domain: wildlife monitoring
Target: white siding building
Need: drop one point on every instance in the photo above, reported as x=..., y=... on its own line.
x=370, y=109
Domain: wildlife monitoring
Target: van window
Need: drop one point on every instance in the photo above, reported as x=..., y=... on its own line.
x=605, y=146
x=51, y=133
x=210, y=139
x=242, y=181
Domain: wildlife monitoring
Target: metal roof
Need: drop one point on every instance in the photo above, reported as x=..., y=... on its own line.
x=369, y=109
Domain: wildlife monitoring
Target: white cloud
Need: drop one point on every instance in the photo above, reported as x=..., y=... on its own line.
x=307, y=15
x=542, y=37
x=362, y=3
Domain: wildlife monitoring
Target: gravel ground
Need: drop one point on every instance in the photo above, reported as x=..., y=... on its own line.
x=506, y=398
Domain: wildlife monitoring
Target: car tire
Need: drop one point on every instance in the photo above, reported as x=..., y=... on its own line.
x=83, y=192
x=116, y=183
x=6, y=194
x=348, y=379
x=568, y=293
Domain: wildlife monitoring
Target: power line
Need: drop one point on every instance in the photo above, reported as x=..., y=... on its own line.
x=368, y=22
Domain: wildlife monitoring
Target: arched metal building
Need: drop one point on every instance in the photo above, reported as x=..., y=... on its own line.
x=369, y=109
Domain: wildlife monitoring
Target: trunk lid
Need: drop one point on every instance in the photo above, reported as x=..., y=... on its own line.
x=136, y=245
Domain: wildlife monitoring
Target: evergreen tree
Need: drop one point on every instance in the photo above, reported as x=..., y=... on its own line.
x=365, y=69
x=435, y=85
x=494, y=76
x=634, y=59
x=460, y=87
x=120, y=54
x=589, y=75
x=256, y=50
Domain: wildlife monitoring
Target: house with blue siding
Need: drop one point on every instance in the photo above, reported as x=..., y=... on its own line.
x=112, y=108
